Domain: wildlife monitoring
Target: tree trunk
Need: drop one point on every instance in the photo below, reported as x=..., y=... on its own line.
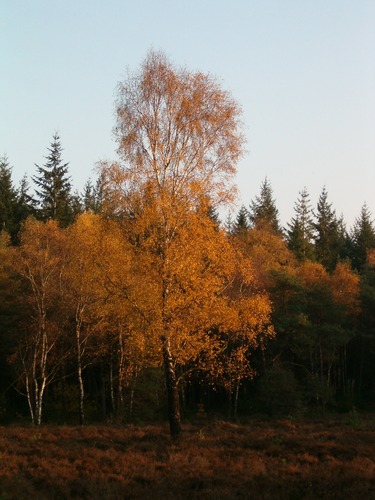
x=361, y=364
x=81, y=395
x=79, y=375
x=112, y=390
x=235, y=402
x=40, y=403
x=228, y=401
x=172, y=391
x=29, y=400
x=121, y=377
x=131, y=402
x=183, y=398
x=103, y=396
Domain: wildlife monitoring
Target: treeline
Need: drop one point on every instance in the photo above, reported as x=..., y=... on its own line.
x=132, y=301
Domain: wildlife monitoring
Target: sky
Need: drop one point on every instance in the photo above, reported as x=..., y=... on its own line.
x=303, y=72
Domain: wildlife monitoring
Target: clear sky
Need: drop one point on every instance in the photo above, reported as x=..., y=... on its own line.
x=303, y=71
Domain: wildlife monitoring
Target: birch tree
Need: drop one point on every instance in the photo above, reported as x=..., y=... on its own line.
x=179, y=139
x=39, y=262
x=83, y=290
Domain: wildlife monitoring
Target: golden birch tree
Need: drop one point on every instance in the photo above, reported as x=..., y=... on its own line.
x=102, y=273
x=179, y=141
x=84, y=293
x=39, y=261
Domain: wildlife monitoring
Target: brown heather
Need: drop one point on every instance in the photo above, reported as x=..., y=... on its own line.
x=279, y=459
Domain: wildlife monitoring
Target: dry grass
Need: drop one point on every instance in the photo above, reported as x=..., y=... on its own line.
x=259, y=459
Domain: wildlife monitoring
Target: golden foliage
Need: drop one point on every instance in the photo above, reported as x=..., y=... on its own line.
x=178, y=131
x=344, y=284
x=179, y=140
x=268, y=252
x=313, y=273
x=39, y=260
x=371, y=257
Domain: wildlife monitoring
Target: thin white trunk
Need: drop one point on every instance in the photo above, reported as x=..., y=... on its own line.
x=29, y=400
x=40, y=403
x=79, y=375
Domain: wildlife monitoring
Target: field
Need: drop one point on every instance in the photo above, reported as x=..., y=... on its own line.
x=326, y=458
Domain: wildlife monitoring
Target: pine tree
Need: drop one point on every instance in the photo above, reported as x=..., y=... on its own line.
x=213, y=214
x=88, y=197
x=53, y=187
x=362, y=237
x=228, y=224
x=99, y=193
x=301, y=229
x=343, y=239
x=92, y=197
x=263, y=213
x=25, y=206
x=25, y=201
x=241, y=224
x=76, y=204
x=327, y=233
x=8, y=198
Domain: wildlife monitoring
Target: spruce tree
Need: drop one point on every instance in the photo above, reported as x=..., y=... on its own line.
x=25, y=202
x=327, y=233
x=88, y=197
x=76, y=205
x=8, y=199
x=99, y=193
x=241, y=224
x=213, y=214
x=25, y=206
x=263, y=213
x=92, y=197
x=228, y=224
x=343, y=239
x=362, y=237
x=53, y=187
x=301, y=229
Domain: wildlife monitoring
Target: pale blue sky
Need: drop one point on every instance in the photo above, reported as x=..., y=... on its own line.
x=303, y=71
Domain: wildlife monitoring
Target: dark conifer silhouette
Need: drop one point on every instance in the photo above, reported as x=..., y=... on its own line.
x=301, y=228
x=54, y=187
x=362, y=237
x=263, y=213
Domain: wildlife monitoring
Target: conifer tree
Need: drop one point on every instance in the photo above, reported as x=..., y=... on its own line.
x=241, y=224
x=8, y=198
x=212, y=214
x=343, y=239
x=76, y=204
x=92, y=197
x=88, y=197
x=53, y=187
x=263, y=213
x=228, y=224
x=15, y=204
x=99, y=194
x=25, y=202
x=362, y=237
x=25, y=206
x=301, y=229
x=327, y=233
